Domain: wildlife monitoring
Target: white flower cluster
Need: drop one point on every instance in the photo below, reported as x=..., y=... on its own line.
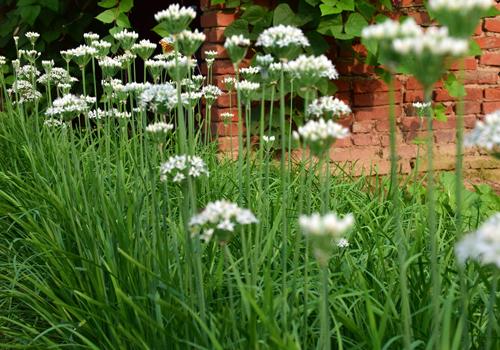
x=191, y=98
x=320, y=132
x=391, y=29
x=57, y=76
x=3, y=61
x=343, y=243
x=82, y=51
x=229, y=83
x=236, y=40
x=434, y=40
x=90, y=37
x=282, y=36
x=174, y=13
x=180, y=167
x=227, y=116
x=459, y=5
x=250, y=70
x=188, y=35
x=486, y=134
x=328, y=106
x=210, y=56
x=268, y=139
x=211, y=92
x=52, y=123
x=264, y=60
x=109, y=113
x=246, y=86
x=32, y=36
x=70, y=106
x=327, y=225
x=27, y=72
x=125, y=35
x=220, y=217
x=110, y=66
x=158, y=98
x=144, y=49
x=159, y=128
x=482, y=245
x=312, y=67
x=421, y=105
x=25, y=91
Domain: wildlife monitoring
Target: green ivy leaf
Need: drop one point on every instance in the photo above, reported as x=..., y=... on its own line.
x=52, y=5
x=107, y=4
x=318, y=43
x=366, y=9
x=30, y=13
x=240, y=26
x=228, y=3
x=454, y=87
x=108, y=16
x=439, y=112
x=283, y=14
x=330, y=25
x=474, y=48
x=160, y=30
x=329, y=10
x=126, y=6
x=355, y=24
x=254, y=14
x=313, y=2
x=122, y=21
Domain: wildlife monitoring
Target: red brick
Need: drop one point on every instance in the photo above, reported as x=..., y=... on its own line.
x=346, y=121
x=444, y=136
x=206, y=4
x=355, y=154
x=365, y=139
x=490, y=107
x=414, y=95
x=413, y=84
x=344, y=68
x=382, y=125
x=469, y=63
x=412, y=123
x=420, y=17
x=343, y=85
x=374, y=113
x=225, y=101
x=372, y=85
x=343, y=143
x=215, y=35
x=471, y=107
x=217, y=114
x=220, y=67
x=492, y=94
x=217, y=19
x=411, y=3
x=374, y=99
x=492, y=24
x=491, y=58
x=471, y=94
x=481, y=77
x=488, y=42
x=228, y=144
x=479, y=28
x=221, y=129
x=363, y=126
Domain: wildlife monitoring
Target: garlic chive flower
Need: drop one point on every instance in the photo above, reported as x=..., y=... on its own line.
x=29, y=55
x=210, y=57
x=421, y=105
x=179, y=168
x=328, y=107
x=189, y=42
x=190, y=99
x=229, y=83
x=175, y=18
x=56, y=76
x=3, y=61
x=264, y=60
x=53, y=123
x=109, y=66
x=70, y=106
x=219, y=220
x=158, y=98
x=460, y=16
x=247, y=90
x=211, y=92
x=197, y=80
x=102, y=47
x=178, y=67
x=25, y=91
x=144, y=49
x=90, y=38
x=155, y=68
x=109, y=113
x=227, y=117
x=284, y=42
x=236, y=47
x=159, y=128
x=82, y=54
x=27, y=72
x=48, y=65
x=309, y=70
x=319, y=135
x=268, y=139
x=32, y=37
x=250, y=73
x=324, y=232
x=127, y=39
x=486, y=134
x=342, y=243
x=483, y=245
x=425, y=56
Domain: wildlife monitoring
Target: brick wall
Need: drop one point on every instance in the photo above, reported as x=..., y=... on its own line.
x=368, y=97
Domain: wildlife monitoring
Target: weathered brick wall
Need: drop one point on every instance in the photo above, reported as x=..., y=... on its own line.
x=368, y=97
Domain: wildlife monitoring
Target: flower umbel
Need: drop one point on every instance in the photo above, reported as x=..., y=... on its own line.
x=179, y=168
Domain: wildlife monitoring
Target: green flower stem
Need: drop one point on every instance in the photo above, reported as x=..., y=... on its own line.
x=432, y=225
x=459, y=154
x=95, y=86
x=248, y=121
x=324, y=340
x=284, y=197
x=396, y=208
x=240, y=139
x=491, y=313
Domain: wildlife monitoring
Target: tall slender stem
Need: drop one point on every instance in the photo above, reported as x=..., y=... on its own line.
x=431, y=224
x=324, y=312
x=403, y=285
